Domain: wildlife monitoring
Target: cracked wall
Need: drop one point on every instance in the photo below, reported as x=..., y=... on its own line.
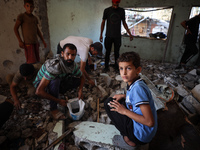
x=83, y=18
x=59, y=19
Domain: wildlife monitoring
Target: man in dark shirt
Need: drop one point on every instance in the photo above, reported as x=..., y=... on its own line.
x=113, y=15
x=192, y=27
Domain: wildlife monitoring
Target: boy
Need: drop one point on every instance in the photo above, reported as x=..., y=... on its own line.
x=133, y=114
x=30, y=30
x=23, y=77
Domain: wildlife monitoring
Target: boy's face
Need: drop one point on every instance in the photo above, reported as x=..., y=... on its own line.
x=128, y=71
x=29, y=8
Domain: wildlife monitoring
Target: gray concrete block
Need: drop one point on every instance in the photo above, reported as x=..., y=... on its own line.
x=93, y=135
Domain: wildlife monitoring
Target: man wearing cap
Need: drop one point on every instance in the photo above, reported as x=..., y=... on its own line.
x=113, y=15
x=85, y=47
x=23, y=77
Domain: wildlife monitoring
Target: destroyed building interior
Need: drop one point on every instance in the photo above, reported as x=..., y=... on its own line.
x=176, y=94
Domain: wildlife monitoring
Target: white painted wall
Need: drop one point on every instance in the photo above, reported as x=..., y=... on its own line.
x=83, y=18
x=74, y=17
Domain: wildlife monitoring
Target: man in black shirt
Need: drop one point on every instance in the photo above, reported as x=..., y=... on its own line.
x=113, y=15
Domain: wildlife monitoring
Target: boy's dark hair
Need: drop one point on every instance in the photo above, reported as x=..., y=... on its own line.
x=70, y=46
x=26, y=69
x=130, y=56
x=28, y=1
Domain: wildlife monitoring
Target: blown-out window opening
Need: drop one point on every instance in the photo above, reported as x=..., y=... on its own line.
x=148, y=22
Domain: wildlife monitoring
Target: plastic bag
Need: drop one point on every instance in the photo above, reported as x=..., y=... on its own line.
x=76, y=108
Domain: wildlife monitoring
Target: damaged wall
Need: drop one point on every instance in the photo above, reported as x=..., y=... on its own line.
x=61, y=18
x=11, y=55
x=77, y=18
x=83, y=18
x=154, y=49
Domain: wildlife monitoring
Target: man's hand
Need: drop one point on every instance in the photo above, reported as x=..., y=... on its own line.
x=17, y=104
x=91, y=82
x=63, y=102
x=101, y=38
x=131, y=37
x=21, y=45
x=80, y=94
x=45, y=44
x=188, y=31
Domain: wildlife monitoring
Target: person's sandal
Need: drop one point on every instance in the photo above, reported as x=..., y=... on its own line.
x=118, y=141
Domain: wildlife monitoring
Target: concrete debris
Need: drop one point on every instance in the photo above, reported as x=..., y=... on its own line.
x=193, y=72
x=179, y=88
x=52, y=136
x=107, y=78
x=190, y=102
x=118, y=78
x=155, y=93
x=196, y=92
x=104, y=94
x=36, y=127
x=100, y=135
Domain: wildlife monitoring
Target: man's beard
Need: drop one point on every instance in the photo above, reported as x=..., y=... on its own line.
x=68, y=62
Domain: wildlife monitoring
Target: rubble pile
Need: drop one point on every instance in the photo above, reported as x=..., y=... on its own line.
x=32, y=127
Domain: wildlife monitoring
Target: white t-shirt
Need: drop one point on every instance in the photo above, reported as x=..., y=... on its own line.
x=82, y=44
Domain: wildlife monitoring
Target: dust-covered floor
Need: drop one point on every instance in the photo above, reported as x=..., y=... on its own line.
x=31, y=129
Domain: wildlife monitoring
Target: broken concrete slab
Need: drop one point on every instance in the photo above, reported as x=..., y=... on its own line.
x=192, y=101
x=155, y=93
x=193, y=72
x=59, y=130
x=107, y=78
x=100, y=135
x=2, y=98
x=179, y=88
x=104, y=94
x=196, y=92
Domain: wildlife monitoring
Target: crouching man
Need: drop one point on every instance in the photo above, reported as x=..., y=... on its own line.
x=23, y=77
x=58, y=75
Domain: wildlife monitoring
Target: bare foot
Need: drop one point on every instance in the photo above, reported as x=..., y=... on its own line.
x=129, y=142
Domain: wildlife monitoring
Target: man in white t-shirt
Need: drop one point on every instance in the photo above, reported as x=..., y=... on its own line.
x=84, y=47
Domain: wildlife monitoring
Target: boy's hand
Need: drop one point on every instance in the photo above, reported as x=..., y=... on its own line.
x=45, y=44
x=116, y=106
x=118, y=97
x=21, y=45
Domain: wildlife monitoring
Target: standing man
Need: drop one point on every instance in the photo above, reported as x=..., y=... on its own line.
x=58, y=75
x=114, y=15
x=84, y=47
x=190, y=40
